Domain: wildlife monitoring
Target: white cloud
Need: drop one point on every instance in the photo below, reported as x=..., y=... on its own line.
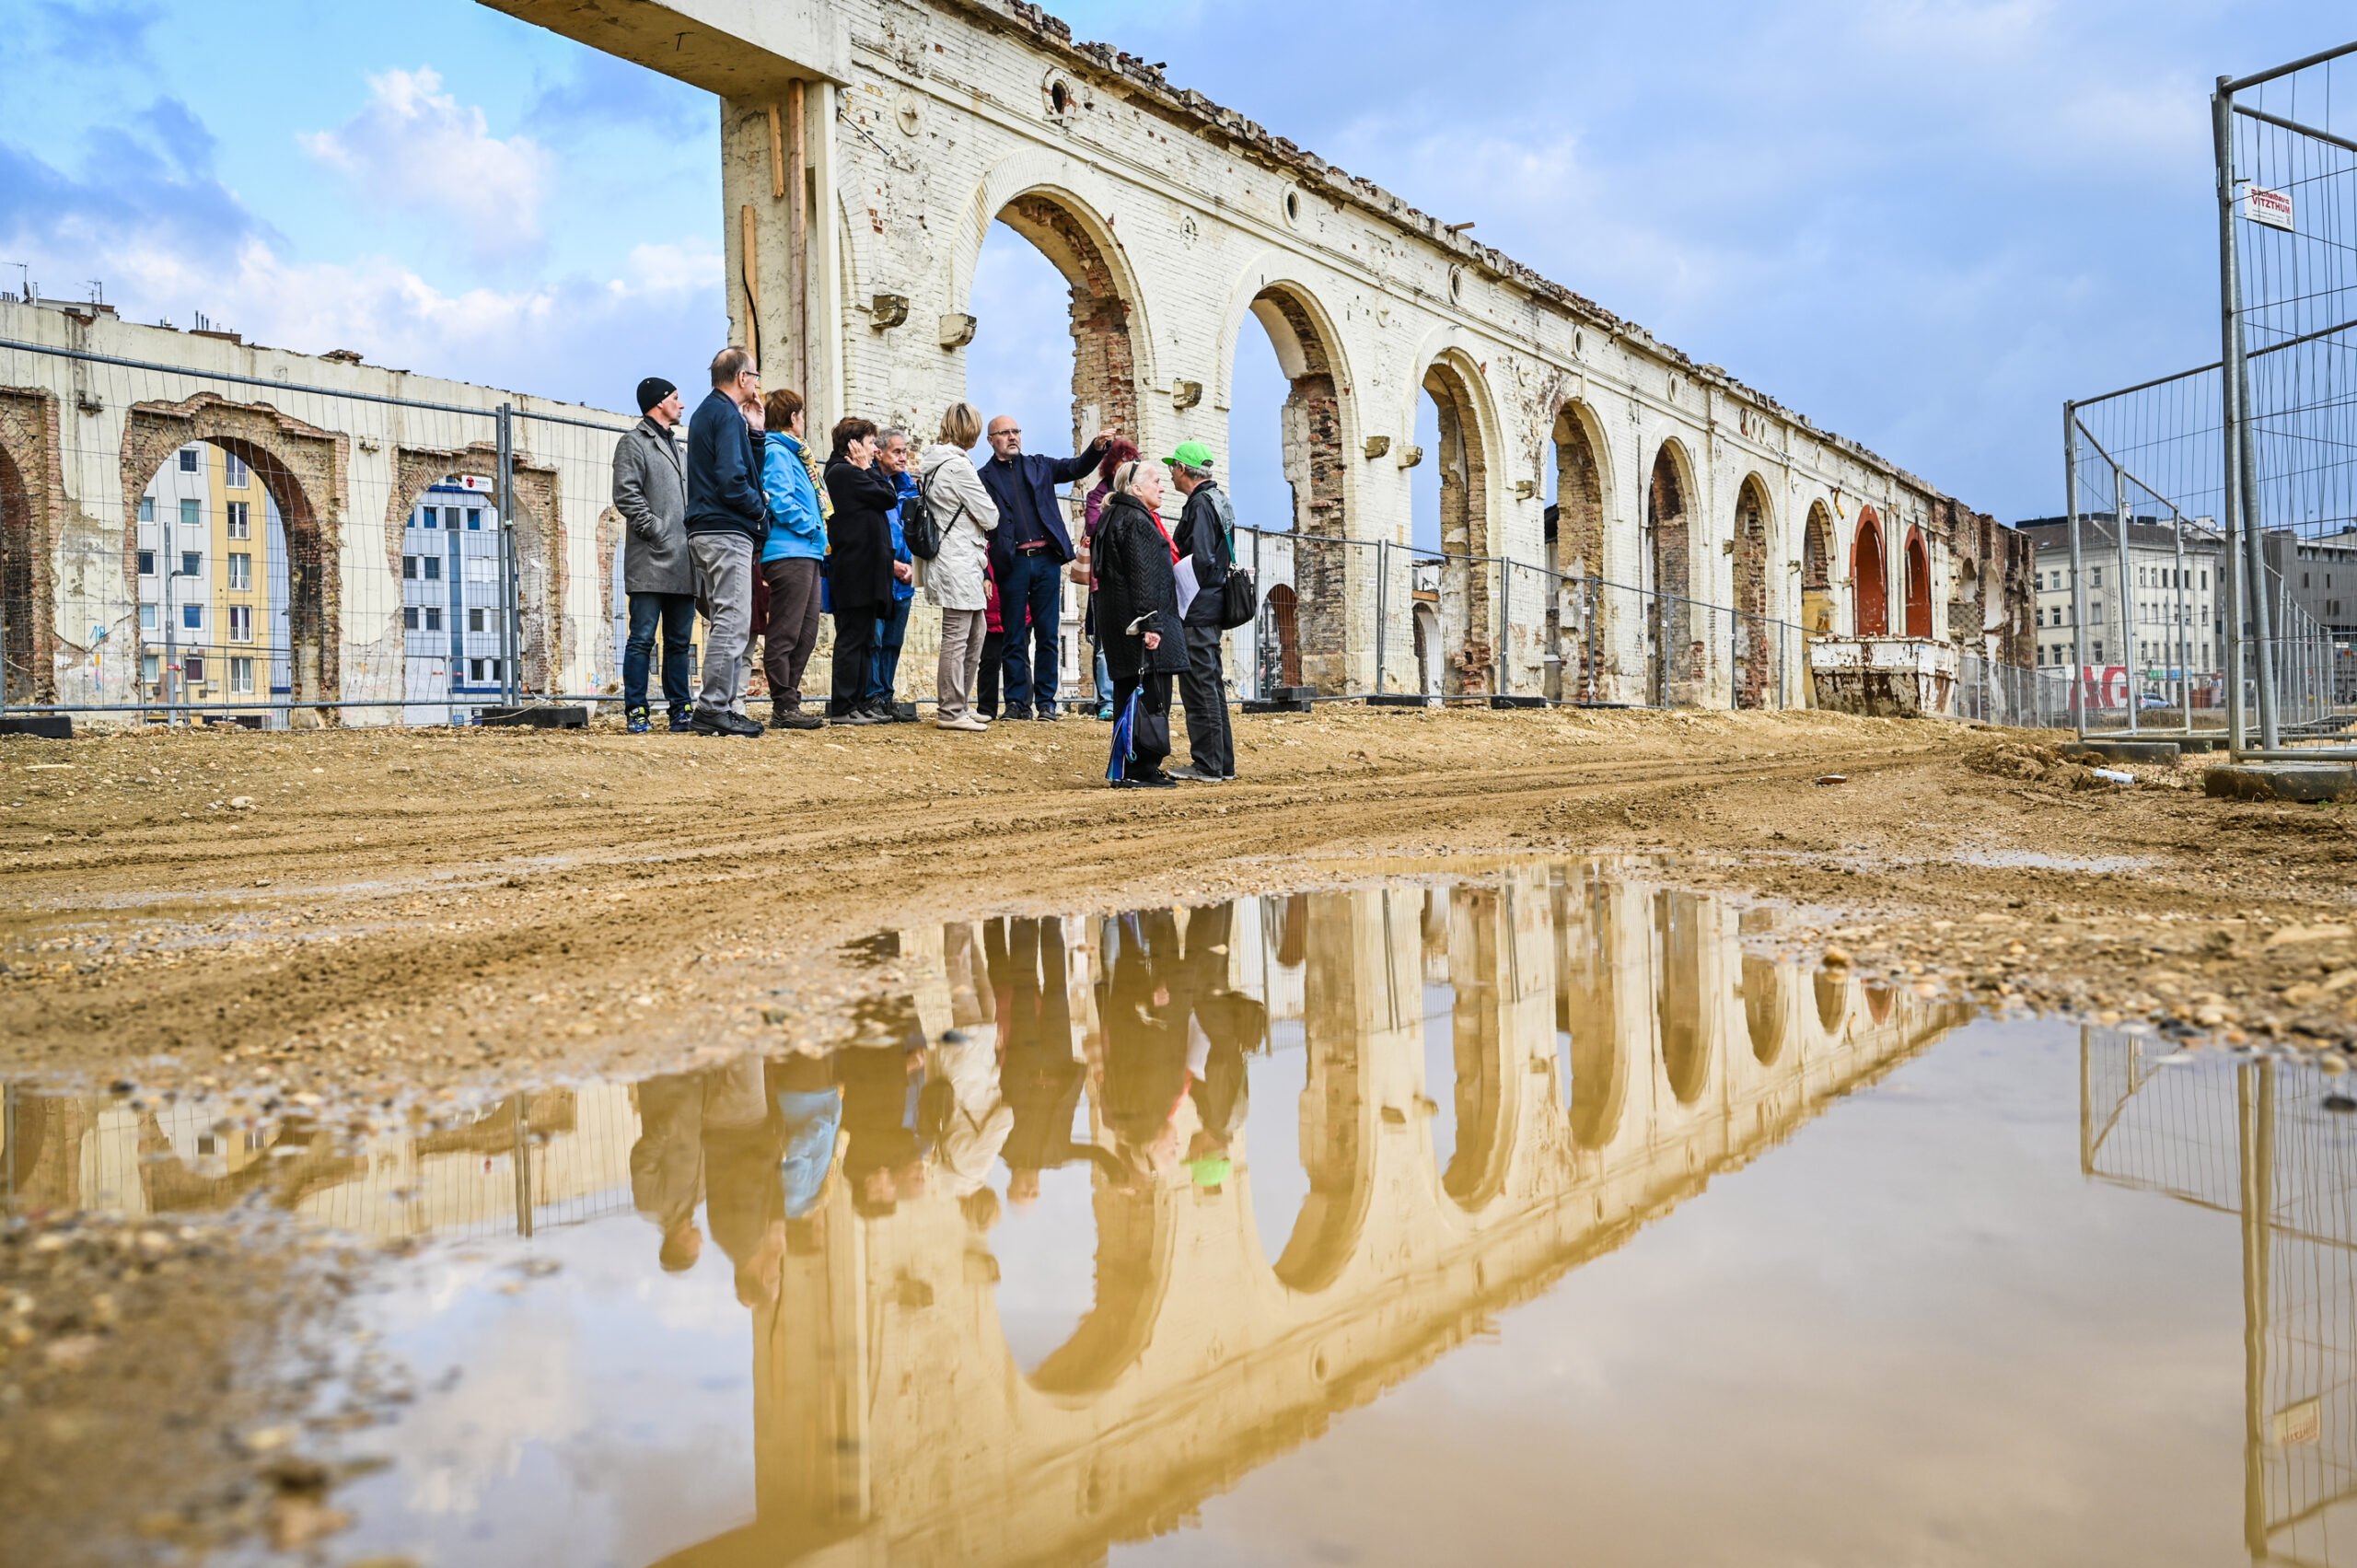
x=418, y=145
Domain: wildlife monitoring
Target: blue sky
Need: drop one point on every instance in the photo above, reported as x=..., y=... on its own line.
x=1923, y=222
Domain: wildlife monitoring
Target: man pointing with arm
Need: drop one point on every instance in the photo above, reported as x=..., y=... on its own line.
x=1028, y=552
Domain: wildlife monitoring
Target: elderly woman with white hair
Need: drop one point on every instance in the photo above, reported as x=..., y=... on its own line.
x=1138, y=620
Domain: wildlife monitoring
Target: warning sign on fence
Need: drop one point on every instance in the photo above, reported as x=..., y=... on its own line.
x=2272, y=208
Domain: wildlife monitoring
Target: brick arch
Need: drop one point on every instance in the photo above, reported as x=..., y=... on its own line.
x=1488, y=1077
x=1869, y=577
x=1764, y=1007
x=1313, y=446
x=1676, y=662
x=1587, y=1005
x=1576, y=541
x=1678, y=1008
x=1336, y=1126
x=541, y=570
x=306, y=472
x=1754, y=675
x=1817, y=570
x=1103, y=301
x=32, y=499
x=1468, y=599
x=1919, y=584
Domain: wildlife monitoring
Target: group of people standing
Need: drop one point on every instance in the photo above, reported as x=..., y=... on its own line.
x=748, y=526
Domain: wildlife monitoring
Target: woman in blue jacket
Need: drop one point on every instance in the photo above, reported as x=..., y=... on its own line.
x=798, y=542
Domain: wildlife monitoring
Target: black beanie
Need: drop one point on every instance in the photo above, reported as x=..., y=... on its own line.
x=653, y=390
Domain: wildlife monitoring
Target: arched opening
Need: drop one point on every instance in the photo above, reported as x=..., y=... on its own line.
x=1755, y=663
x=1052, y=348
x=1287, y=460
x=1674, y=658
x=1817, y=570
x=1309, y=1225
x=294, y=493
x=1685, y=1044
x=1465, y=1044
x=1869, y=582
x=1587, y=1007
x=448, y=554
x=1459, y=490
x=1919, y=585
x=1574, y=524
x=1764, y=1007
x=1880, y=999
x=23, y=599
x=212, y=573
x=1426, y=631
x=1832, y=1001
x=1280, y=615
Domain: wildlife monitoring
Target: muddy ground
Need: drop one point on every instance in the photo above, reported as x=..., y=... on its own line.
x=371, y=908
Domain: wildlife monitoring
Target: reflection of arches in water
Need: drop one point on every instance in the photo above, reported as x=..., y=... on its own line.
x=1133, y=1235
x=1325, y=1177
x=1291, y=917
x=1586, y=1006
x=1879, y=999
x=1763, y=1008
x=1476, y=1053
x=1832, y=1001
x=1685, y=1049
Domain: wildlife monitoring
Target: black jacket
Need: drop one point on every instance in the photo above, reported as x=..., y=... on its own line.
x=859, y=536
x=1206, y=535
x=724, y=472
x=1023, y=488
x=1133, y=577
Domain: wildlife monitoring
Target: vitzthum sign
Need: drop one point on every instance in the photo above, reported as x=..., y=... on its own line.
x=2272, y=208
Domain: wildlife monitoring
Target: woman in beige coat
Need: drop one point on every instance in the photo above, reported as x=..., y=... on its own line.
x=963, y=511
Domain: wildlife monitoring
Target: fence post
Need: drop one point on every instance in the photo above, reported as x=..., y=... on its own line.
x=1498, y=681
x=1382, y=594
x=2078, y=572
x=2120, y=521
x=510, y=634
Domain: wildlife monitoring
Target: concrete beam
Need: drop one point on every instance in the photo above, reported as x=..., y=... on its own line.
x=733, y=48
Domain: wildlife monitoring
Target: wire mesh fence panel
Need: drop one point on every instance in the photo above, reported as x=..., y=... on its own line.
x=215, y=547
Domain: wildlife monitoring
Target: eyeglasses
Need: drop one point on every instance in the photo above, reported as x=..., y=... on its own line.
x=1010, y=430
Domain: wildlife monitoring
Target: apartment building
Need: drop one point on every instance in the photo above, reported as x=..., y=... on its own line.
x=212, y=567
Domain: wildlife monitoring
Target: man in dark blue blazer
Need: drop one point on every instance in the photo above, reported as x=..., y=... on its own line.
x=1028, y=552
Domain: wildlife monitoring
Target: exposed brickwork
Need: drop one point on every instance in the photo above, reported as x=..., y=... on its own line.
x=1312, y=421
x=1578, y=546
x=1465, y=597
x=32, y=497
x=1756, y=673
x=1918, y=566
x=540, y=570
x=1677, y=652
x=1817, y=569
x=1869, y=576
x=1104, y=371
x=306, y=471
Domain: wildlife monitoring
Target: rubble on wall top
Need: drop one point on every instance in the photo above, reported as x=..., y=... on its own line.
x=1187, y=103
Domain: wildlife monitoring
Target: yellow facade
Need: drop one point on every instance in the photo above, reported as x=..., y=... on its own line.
x=236, y=638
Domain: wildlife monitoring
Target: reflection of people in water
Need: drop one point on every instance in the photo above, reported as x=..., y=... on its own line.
x=1040, y=1076
x=1220, y=1024
x=810, y=1110
x=882, y=1084
x=667, y=1163
x=975, y=1119
x=1146, y=1057
x=744, y=1203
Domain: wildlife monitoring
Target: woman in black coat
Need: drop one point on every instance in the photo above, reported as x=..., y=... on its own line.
x=859, y=562
x=1138, y=621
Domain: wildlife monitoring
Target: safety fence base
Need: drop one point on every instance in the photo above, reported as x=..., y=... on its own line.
x=48, y=727
x=538, y=717
x=1399, y=700
x=2125, y=751
x=2282, y=780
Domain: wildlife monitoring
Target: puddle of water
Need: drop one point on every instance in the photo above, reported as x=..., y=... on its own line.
x=2038, y=860
x=1431, y=1220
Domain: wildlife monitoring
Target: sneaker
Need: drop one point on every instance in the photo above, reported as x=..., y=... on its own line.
x=1147, y=781
x=795, y=719
x=683, y=726
x=1049, y=715
x=1105, y=716
x=635, y=722
x=983, y=718
x=1013, y=714
x=1192, y=774
x=966, y=722
x=857, y=715
x=703, y=721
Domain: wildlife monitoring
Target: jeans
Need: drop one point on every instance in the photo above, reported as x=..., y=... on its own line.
x=792, y=629
x=987, y=678
x=1210, y=744
x=1104, y=682
x=962, y=637
x=724, y=576
x=1031, y=597
x=854, y=641
x=675, y=614
x=884, y=663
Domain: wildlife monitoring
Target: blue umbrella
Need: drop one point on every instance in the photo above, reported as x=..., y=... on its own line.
x=1116, y=771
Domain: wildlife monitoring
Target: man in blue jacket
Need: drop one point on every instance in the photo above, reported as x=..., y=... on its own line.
x=1028, y=552
x=728, y=523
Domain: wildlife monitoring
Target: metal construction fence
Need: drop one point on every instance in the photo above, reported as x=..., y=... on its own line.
x=2219, y=500
x=188, y=544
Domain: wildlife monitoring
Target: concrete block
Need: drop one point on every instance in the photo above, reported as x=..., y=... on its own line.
x=48, y=727
x=2282, y=780
x=539, y=717
x=2125, y=751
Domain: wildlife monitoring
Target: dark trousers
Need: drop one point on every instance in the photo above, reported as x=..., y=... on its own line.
x=1211, y=744
x=986, y=677
x=884, y=663
x=1150, y=738
x=1031, y=597
x=854, y=641
x=675, y=614
x=791, y=631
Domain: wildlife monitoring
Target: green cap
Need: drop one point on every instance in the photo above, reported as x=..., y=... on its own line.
x=1210, y=1170
x=1193, y=454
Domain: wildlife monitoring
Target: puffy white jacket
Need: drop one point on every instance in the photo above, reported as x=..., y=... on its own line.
x=964, y=514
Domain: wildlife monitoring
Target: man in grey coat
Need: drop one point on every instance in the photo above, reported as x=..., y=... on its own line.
x=651, y=493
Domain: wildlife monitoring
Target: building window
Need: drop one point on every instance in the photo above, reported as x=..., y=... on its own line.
x=241, y=519
x=409, y=568
x=241, y=677
x=433, y=619
x=2096, y=654
x=409, y=616
x=241, y=573
x=147, y=508
x=432, y=519
x=192, y=667
x=189, y=463
x=2205, y=580
x=151, y=668
x=146, y=618
x=241, y=623
x=433, y=568
x=192, y=563
x=474, y=518
x=474, y=621
x=192, y=617
x=2096, y=579
x=484, y=668
x=191, y=514
x=474, y=669
x=234, y=467
x=147, y=562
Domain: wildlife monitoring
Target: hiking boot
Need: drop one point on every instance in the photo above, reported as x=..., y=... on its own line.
x=857, y=715
x=1014, y=714
x=705, y=722
x=795, y=719
x=1156, y=780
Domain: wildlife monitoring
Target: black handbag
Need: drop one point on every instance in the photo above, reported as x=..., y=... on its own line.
x=1240, y=598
